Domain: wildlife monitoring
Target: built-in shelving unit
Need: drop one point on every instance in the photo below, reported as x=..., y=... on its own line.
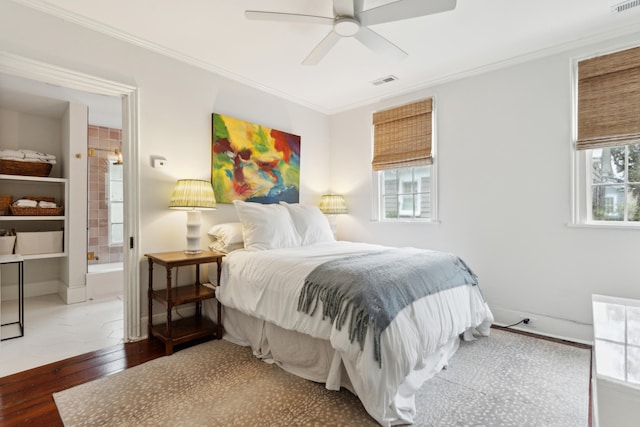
x=60, y=128
x=19, y=186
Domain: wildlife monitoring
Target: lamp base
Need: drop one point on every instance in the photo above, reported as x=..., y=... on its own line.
x=193, y=232
x=333, y=224
x=192, y=252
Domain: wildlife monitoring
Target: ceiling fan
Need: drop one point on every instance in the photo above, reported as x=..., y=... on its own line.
x=351, y=21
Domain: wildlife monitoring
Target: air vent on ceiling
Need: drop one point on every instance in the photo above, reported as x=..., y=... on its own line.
x=387, y=79
x=624, y=6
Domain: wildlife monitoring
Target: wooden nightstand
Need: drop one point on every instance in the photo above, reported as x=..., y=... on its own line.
x=179, y=331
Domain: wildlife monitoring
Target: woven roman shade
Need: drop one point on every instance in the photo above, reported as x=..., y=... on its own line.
x=402, y=136
x=609, y=100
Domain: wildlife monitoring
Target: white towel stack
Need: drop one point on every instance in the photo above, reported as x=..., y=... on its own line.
x=27, y=156
x=43, y=204
x=25, y=203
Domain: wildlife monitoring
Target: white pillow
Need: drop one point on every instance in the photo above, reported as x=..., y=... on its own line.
x=310, y=222
x=266, y=226
x=228, y=233
x=218, y=246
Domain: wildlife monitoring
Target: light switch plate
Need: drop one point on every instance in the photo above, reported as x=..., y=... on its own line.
x=159, y=163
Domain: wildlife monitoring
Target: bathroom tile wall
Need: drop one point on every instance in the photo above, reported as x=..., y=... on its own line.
x=104, y=141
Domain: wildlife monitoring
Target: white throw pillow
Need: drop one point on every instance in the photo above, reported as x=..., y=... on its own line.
x=266, y=226
x=228, y=233
x=310, y=222
x=218, y=246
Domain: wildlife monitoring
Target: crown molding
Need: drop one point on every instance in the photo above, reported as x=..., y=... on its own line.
x=40, y=71
x=623, y=31
x=91, y=24
x=113, y=32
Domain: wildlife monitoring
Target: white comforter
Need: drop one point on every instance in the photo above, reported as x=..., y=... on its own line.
x=415, y=345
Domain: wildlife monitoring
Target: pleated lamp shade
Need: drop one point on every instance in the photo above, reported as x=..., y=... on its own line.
x=194, y=195
x=332, y=204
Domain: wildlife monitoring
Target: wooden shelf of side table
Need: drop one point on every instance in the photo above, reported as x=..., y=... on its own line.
x=174, y=332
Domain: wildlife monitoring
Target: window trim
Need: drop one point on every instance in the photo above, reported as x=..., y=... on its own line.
x=581, y=198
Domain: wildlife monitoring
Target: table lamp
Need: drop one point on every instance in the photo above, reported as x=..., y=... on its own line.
x=193, y=195
x=332, y=205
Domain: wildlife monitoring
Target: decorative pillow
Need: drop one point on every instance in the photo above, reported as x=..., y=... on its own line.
x=228, y=233
x=266, y=226
x=310, y=222
x=218, y=246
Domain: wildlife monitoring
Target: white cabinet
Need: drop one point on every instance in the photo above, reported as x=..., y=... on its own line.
x=19, y=186
x=616, y=367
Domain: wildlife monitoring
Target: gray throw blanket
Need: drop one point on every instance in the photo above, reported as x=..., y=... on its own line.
x=372, y=288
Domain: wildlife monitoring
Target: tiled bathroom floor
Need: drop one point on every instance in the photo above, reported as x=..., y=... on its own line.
x=56, y=331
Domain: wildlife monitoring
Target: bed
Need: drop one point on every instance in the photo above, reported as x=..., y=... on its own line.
x=261, y=291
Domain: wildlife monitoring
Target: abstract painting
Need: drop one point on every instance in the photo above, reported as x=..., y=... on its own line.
x=253, y=163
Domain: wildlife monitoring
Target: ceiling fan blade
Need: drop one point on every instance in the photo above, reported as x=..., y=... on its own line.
x=321, y=49
x=343, y=7
x=403, y=9
x=380, y=45
x=287, y=17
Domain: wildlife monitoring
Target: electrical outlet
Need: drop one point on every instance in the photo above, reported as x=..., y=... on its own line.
x=530, y=323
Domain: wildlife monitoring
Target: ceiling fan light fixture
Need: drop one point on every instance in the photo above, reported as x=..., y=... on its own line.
x=346, y=27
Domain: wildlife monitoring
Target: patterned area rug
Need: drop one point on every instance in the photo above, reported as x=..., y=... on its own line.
x=504, y=380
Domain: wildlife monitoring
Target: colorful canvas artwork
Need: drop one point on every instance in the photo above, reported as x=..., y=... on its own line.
x=253, y=163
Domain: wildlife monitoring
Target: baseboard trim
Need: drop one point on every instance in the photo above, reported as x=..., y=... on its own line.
x=32, y=289
x=562, y=329
x=72, y=295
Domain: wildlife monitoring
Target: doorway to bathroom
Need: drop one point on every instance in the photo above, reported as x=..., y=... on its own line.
x=105, y=212
x=52, y=77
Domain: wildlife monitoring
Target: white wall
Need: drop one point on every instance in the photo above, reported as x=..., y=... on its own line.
x=504, y=159
x=176, y=103
x=503, y=153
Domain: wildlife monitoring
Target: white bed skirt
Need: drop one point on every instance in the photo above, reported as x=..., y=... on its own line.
x=314, y=359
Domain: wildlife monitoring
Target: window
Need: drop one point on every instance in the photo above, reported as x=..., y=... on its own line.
x=406, y=193
x=403, y=162
x=607, y=167
x=615, y=183
x=115, y=191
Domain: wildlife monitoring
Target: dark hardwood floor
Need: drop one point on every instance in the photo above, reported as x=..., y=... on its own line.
x=26, y=397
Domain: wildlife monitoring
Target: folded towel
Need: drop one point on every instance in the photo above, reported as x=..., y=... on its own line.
x=43, y=204
x=16, y=159
x=31, y=154
x=25, y=203
x=11, y=153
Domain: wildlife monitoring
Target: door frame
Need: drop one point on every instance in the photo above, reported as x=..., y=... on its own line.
x=20, y=66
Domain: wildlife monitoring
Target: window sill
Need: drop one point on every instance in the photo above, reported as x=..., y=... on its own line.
x=606, y=226
x=406, y=221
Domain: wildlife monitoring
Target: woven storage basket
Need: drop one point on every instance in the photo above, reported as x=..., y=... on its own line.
x=20, y=211
x=5, y=202
x=15, y=167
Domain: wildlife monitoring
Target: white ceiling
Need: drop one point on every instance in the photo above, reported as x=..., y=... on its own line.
x=477, y=35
